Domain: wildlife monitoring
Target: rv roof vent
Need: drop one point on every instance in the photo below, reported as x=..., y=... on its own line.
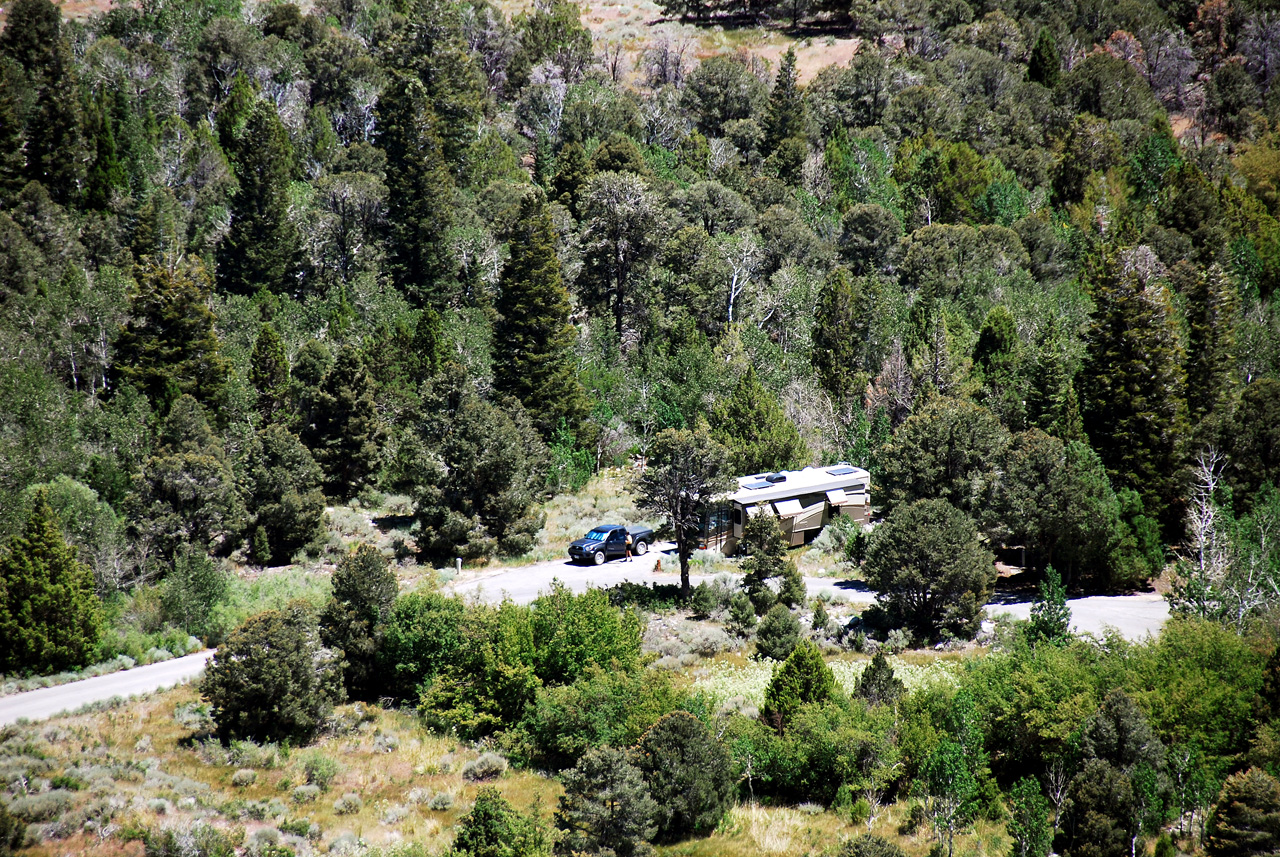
x=776, y=477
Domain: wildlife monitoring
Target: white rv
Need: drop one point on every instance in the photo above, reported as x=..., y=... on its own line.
x=804, y=501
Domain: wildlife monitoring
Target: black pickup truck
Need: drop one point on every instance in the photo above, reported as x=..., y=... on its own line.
x=608, y=541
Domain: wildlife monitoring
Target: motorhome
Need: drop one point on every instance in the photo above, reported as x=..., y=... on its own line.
x=805, y=501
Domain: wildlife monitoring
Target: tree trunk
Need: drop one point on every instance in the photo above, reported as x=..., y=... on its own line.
x=682, y=548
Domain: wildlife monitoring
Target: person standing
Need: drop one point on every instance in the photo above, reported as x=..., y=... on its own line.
x=628, y=559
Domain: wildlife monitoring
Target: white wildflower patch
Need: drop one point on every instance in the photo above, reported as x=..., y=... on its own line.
x=724, y=681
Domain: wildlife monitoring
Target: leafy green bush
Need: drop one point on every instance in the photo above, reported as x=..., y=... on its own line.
x=355, y=619
x=319, y=770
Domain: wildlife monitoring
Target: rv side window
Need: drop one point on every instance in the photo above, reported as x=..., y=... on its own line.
x=737, y=516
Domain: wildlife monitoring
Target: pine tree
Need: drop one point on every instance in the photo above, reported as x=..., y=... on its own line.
x=534, y=359
x=106, y=175
x=345, y=434
x=842, y=331
x=54, y=127
x=419, y=193
x=573, y=171
x=1050, y=616
x=13, y=159
x=1212, y=307
x=1134, y=390
x=802, y=679
x=785, y=118
x=431, y=48
x=1045, y=65
x=765, y=547
x=995, y=363
x=878, y=684
x=1052, y=404
x=430, y=347
x=354, y=620
x=751, y=425
x=269, y=374
x=50, y=617
x=169, y=346
x=260, y=247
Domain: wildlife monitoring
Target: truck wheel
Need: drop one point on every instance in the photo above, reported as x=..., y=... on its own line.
x=599, y=557
x=642, y=548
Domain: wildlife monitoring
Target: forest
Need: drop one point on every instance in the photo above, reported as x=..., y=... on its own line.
x=302, y=304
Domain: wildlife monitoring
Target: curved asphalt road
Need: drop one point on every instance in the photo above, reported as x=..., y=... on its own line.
x=48, y=701
x=1134, y=616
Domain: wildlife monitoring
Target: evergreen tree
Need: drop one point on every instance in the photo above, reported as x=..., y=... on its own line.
x=534, y=359
x=356, y=617
x=606, y=807
x=1045, y=65
x=1050, y=616
x=419, y=193
x=283, y=496
x=56, y=154
x=843, y=326
x=802, y=679
x=185, y=494
x=269, y=374
x=751, y=425
x=877, y=684
x=169, y=346
x=1134, y=390
x=430, y=346
x=1246, y=818
x=778, y=634
x=995, y=363
x=260, y=247
x=785, y=118
x=106, y=174
x=573, y=172
x=50, y=617
x=345, y=433
x=689, y=774
x=13, y=159
x=1052, y=404
x=432, y=49
x=271, y=680
x=765, y=547
x=685, y=472
x=1212, y=307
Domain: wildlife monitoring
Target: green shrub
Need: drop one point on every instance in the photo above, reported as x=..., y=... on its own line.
x=271, y=680
x=803, y=678
x=42, y=806
x=355, y=619
x=489, y=766
x=12, y=832
x=244, y=777
x=778, y=633
x=319, y=770
x=689, y=774
x=349, y=804
x=305, y=794
x=868, y=845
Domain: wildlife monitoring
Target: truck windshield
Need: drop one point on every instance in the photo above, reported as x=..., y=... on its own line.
x=598, y=535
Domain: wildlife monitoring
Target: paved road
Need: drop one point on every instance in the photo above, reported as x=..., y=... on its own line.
x=48, y=701
x=1135, y=616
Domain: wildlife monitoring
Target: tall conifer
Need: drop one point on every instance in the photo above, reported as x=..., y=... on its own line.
x=260, y=247
x=533, y=338
x=786, y=109
x=50, y=617
x=419, y=193
x=1212, y=306
x=1134, y=389
x=269, y=373
x=751, y=425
